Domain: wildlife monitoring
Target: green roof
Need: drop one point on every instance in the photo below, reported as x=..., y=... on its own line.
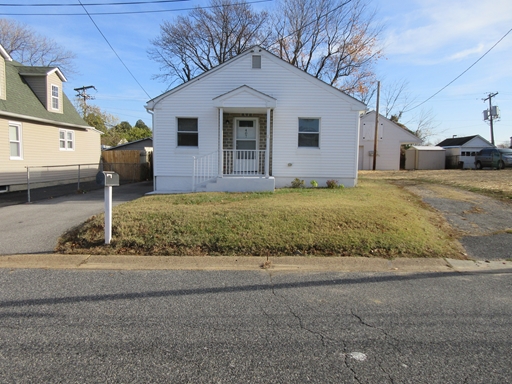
x=21, y=100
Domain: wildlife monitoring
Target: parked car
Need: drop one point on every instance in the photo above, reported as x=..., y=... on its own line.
x=498, y=158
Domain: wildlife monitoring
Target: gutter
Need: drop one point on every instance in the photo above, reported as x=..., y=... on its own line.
x=53, y=122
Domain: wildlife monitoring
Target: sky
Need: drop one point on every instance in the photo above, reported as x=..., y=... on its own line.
x=425, y=43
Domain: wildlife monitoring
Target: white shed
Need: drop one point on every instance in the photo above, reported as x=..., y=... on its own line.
x=391, y=137
x=424, y=157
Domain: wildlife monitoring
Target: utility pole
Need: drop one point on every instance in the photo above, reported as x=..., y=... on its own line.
x=82, y=94
x=491, y=95
x=376, y=136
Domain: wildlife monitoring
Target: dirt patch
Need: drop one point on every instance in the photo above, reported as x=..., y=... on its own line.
x=493, y=182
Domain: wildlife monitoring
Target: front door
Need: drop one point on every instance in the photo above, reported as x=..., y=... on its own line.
x=246, y=139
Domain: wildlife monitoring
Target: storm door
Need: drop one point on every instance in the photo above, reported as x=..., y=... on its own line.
x=246, y=139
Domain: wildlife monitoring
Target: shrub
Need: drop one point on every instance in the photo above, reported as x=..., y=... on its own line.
x=297, y=183
x=332, y=184
x=313, y=183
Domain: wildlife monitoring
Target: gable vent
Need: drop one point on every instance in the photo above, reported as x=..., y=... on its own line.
x=256, y=62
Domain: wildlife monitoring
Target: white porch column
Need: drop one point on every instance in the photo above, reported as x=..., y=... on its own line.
x=221, y=141
x=267, y=152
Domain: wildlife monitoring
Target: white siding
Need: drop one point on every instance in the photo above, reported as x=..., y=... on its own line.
x=391, y=137
x=297, y=95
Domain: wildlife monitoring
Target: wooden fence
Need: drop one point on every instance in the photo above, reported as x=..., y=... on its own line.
x=127, y=164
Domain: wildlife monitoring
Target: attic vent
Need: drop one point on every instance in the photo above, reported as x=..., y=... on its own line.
x=256, y=62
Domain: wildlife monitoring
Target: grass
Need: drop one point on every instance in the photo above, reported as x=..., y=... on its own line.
x=374, y=219
x=493, y=183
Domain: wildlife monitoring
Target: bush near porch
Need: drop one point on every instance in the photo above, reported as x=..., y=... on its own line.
x=375, y=219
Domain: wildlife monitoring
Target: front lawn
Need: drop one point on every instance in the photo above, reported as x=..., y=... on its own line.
x=373, y=219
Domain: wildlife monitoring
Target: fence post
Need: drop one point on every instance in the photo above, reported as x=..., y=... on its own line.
x=28, y=184
x=78, y=188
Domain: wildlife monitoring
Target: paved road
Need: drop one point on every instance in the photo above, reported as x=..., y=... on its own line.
x=35, y=227
x=254, y=327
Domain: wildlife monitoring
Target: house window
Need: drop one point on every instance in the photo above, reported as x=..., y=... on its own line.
x=55, y=97
x=256, y=62
x=15, y=141
x=187, y=132
x=66, y=140
x=309, y=132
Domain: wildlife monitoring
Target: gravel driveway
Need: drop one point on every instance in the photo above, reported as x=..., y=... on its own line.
x=480, y=221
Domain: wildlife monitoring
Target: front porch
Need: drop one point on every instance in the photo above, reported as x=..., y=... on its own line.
x=243, y=159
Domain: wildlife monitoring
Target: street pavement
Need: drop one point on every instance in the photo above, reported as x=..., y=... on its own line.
x=34, y=228
x=90, y=326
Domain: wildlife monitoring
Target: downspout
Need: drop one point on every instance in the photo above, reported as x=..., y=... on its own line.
x=221, y=141
x=150, y=111
x=267, y=152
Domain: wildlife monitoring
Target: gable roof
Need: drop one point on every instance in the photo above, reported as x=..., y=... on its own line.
x=398, y=126
x=151, y=103
x=22, y=103
x=459, y=141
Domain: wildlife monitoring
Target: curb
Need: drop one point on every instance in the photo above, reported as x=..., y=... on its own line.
x=246, y=263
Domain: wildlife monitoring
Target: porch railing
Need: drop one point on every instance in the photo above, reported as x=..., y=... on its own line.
x=235, y=162
x=243, y=162
x=206, y=168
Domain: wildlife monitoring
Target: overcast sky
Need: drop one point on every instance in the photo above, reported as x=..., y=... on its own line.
x=427, y=43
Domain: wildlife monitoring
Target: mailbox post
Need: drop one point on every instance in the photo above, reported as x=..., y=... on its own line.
x=108, y=180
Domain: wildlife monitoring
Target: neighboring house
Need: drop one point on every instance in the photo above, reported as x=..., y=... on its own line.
x=391, y=137
x=141, y=145
x=424, y=157
x=460, y=151
x=254, y=123
x=38, y=124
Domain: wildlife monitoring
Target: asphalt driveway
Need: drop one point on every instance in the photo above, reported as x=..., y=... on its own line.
x=35, y=227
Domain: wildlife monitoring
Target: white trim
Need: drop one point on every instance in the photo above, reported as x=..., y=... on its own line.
x=255, y=120
x=52, y=122
x=20, y=140
x=319, y=131
x=66, y=140
x=55, y=98
x=196, y=147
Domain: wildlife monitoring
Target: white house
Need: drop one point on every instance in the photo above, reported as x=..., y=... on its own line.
x=391, y=137
x=254, y=123
x=460, y=151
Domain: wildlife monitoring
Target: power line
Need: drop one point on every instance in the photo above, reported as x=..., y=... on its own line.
x=471, y=66
x=91, y=4
x=113, y=50
x=126, y=12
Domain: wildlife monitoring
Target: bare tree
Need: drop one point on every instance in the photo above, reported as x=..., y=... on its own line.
x=424, y=125
x=333, y=40
x=29, y=48
x=205, y=38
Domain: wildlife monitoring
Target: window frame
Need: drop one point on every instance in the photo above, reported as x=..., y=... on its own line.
x=66, y=140
x=55, y=99
x=19, y=141
x=186, y=132
x=299, y=133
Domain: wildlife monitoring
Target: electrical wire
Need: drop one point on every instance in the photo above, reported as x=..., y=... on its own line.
x=113, y=50
x=127, y=12
x=471, y=66
x=91, y=4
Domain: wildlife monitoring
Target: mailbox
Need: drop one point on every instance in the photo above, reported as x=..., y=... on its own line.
x=107, y=179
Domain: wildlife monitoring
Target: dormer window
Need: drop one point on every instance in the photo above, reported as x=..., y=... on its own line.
x=55, y=97
x=256, y=61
